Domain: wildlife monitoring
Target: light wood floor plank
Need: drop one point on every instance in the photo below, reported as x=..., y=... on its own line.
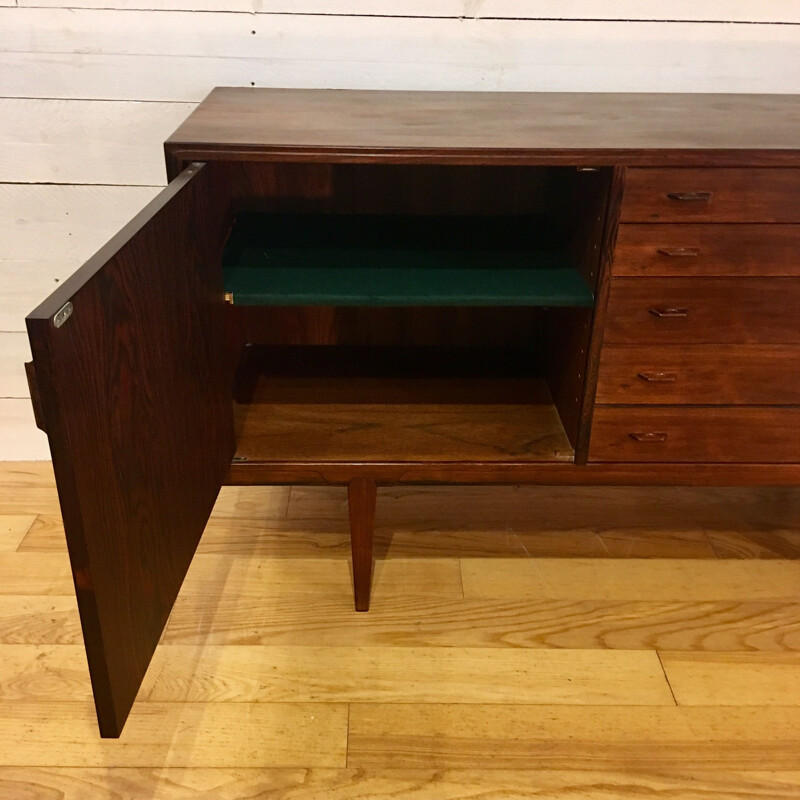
x=26, y=474
x=64, y=734
x=662, y=579
x=746, y=543
x=445, y=622
x=349, y=674
x=572, y=737
x=43, y=672
x=544, y=681
x=129, y=783
x=734, y=679
x=269, y=577
x=251, y=502
x=403, y=674
x=39, y=619
x=35, y=573
x=46, y=534
x=294, y=538
x=13, y=528
x=28, y=500
x=597, y=508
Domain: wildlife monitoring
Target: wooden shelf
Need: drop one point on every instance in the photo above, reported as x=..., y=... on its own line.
x=362, y=420
x=375, y=260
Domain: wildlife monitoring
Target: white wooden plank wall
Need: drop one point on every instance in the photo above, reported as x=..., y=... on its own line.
x=89, y=90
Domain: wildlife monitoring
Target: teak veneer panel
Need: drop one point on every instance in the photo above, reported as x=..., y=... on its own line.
x=734, y=195
x=496, y=127
x=703, y=374
x=310, y=420
x=707, y=311
x=138, y=423
x=703, y=250
x=745, y=434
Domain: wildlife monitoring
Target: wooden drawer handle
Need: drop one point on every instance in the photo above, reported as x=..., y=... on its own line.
x=679, y=252
x=659, y=377
x=667, y=312
x=690, y=197
x=652, y=436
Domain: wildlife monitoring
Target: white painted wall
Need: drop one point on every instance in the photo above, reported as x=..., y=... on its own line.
x=90, y=89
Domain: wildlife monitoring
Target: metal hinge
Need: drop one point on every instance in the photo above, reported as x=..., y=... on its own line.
x=62, y=315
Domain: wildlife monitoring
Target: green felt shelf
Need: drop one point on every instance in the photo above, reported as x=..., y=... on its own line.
x=340, y=260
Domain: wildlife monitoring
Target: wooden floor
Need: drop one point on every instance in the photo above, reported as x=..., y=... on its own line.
x=522, y=643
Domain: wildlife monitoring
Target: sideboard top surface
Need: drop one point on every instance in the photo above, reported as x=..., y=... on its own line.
x=632, y=129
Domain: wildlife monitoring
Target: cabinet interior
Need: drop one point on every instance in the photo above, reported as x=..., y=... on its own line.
x=422, y=313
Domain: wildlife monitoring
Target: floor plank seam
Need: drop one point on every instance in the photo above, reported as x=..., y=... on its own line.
x=666, y=678
x=347, y=738
x=288, y=503
x=25, y=535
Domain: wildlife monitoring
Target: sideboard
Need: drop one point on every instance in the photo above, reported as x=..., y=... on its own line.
x=367, y=288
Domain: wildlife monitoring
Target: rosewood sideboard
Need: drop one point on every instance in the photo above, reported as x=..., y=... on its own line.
x=371, y=288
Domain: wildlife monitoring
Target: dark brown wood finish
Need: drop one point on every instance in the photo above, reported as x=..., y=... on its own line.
x=513, y=472
x=730, y=434
x=684, y=250
x=606, y=246
x=566, y=338
x=136, y=385
x=703, y=311
x=361, y=497
x=137, y=411
x=364, y=420
x=236, y=124
x=711, y=195
x=714, y=374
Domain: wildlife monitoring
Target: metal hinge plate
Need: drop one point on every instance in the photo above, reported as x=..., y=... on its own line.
x=62, y=315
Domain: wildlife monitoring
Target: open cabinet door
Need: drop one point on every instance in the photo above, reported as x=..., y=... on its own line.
x=133, y=394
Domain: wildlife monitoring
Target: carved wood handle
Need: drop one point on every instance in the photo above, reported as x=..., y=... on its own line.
x=690, y=197
x=669, y=312
x=651, y=436
x=679, y=252
x=658, y=377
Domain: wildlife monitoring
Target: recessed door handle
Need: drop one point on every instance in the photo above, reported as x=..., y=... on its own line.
x=658, y=377
x=649, y=437
x=679, y=252
x=690, y=197
x=669, y=312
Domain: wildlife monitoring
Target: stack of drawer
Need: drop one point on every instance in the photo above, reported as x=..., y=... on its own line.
x=701, y=351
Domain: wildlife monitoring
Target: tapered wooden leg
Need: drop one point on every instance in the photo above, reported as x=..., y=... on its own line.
x=361, y=494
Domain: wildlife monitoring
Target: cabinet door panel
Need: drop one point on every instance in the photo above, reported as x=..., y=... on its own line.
x=137, y=409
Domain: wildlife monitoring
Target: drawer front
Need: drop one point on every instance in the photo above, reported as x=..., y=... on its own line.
x=711, y=195
x=691, y=434
x=707, y=250
x=700, y=374
x=703, y=311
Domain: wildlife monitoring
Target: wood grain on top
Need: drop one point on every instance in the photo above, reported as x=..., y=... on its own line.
x=607, y=128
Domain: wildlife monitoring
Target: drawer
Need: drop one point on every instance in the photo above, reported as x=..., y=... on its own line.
x=703, y=311
x=711, y=195
x=743, y=374
x=697, y=249
x=689, y=433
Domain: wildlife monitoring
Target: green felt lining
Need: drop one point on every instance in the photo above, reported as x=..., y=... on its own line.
x=358, y=260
